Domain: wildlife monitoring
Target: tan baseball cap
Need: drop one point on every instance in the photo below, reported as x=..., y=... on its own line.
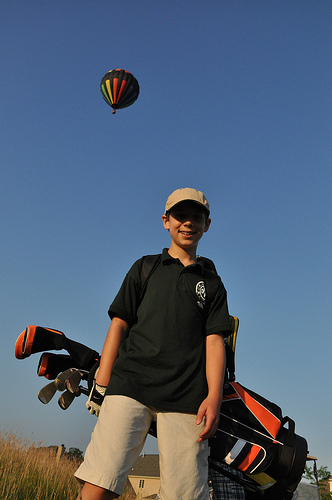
x=186, y=194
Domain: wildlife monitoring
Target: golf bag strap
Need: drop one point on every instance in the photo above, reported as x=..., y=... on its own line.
x=287, y=450
x=149, y=264
x=230, y=350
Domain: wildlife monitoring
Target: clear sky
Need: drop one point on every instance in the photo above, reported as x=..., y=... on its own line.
x=235, y=100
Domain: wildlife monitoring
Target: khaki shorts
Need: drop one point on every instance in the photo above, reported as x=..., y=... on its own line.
x=118, y=439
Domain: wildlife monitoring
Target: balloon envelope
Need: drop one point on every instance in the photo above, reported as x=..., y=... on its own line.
x=119, y=88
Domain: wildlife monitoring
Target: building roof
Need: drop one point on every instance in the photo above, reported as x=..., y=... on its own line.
x=146, y=466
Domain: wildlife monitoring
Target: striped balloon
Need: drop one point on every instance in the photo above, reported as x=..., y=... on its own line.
x=119, y=88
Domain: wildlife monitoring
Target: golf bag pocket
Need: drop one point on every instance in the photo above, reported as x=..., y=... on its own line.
x=240, y=448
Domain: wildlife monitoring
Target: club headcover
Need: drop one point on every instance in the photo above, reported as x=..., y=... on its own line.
x=50, y=364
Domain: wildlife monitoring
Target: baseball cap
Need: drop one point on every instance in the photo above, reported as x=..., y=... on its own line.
x=186, y=194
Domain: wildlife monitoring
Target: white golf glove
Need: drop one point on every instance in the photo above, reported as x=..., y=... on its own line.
x=96, y=398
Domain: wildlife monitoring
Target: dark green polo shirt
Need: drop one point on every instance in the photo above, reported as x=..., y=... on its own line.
x=162, y=361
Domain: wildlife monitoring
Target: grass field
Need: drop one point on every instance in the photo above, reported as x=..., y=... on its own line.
x=28, y=472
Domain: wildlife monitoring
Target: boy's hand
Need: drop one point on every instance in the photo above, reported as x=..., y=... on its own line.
x=96, y=399
x=210, y=409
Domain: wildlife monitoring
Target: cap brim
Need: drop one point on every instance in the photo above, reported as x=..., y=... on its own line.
x=192, y=201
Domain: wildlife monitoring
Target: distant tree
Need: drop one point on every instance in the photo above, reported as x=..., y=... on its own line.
x=323, y=474
x=74, y=453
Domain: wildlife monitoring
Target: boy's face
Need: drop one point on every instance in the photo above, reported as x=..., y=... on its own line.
x=186, y=223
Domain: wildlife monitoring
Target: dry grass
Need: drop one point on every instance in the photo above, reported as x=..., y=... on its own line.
x=30, y=472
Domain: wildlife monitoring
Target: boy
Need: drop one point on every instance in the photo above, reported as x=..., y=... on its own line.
x=162, y=361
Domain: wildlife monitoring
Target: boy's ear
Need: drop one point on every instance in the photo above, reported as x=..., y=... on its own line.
x=165, y=219
x=207, y=224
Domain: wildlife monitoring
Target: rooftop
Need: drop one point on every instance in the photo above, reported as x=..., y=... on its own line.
x=146, y=466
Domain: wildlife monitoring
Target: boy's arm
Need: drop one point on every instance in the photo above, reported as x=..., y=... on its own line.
x=215, y=371
x=116, y=334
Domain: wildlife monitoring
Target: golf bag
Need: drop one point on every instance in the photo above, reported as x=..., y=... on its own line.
x=252, y=437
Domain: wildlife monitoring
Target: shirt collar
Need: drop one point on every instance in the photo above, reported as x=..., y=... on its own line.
x=165, y=256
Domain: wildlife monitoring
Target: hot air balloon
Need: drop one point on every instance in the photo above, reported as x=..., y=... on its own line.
x=119, y=88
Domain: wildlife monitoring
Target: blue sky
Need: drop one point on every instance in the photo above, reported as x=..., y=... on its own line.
x=235, y=100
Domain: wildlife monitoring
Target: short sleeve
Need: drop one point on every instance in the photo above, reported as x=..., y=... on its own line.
x=126, y=302
x=218, y=316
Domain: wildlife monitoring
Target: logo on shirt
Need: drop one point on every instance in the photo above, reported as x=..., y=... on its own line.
x=201, y=294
